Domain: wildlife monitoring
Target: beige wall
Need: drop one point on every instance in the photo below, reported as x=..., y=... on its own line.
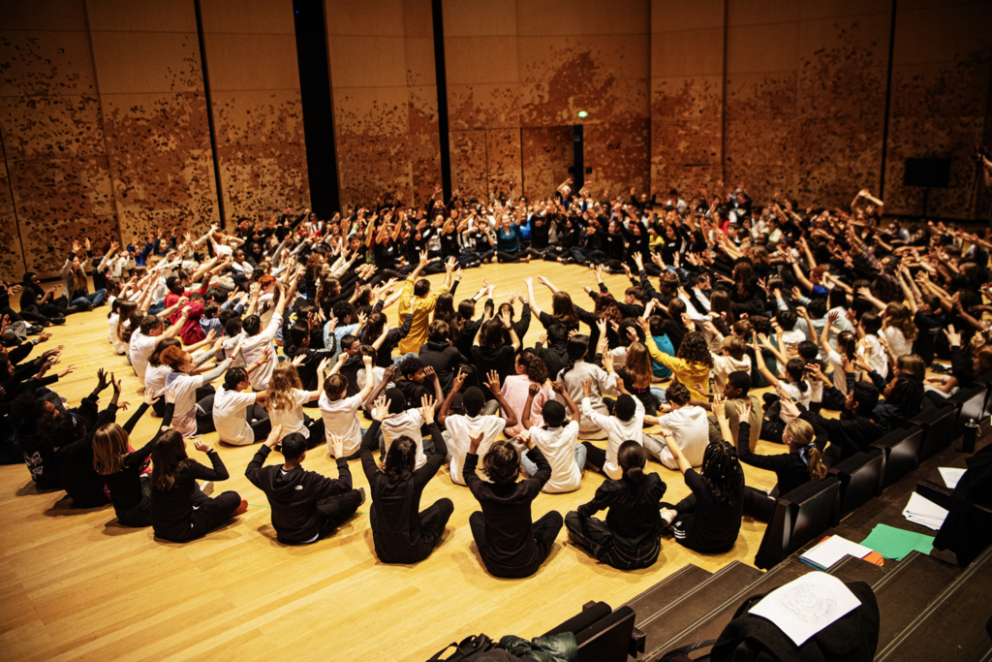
x=384, y=97
x=57, y=180
x=147, y=61
x=255, y=100
x=941, y=68
x=104, y=118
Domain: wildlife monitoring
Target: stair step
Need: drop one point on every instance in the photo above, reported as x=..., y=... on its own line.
x=667, y=591
x=711, y=624
x=909, y=589
x=852, y=569
x=661, y=626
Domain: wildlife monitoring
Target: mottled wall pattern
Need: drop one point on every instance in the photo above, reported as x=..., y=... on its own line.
x=104, y=116
x=385, y=99
x=257, y=112
x=57, y=176
x=940, y=104
x=148, y=68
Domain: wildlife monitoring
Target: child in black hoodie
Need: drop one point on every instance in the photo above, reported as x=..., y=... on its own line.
x=306, y=506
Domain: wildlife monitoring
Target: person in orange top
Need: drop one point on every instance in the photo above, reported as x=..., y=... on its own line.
x=418, y=298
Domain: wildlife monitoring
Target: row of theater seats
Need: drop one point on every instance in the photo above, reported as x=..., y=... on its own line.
x=805, y=513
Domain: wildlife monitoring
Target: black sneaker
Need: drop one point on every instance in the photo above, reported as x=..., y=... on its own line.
x=361, y=491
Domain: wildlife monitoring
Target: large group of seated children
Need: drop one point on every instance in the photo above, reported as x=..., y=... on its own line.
x=285, y=335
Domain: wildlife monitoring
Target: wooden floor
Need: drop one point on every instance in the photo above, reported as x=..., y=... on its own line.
x=76, y=585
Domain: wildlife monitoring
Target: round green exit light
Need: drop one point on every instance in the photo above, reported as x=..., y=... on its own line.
x=583, y=114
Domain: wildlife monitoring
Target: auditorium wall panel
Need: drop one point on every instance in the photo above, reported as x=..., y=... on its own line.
x=255, y=100
x=154, y=108
x=687, y=103
x=384, y=98
x=57, y=175
x=942, y=65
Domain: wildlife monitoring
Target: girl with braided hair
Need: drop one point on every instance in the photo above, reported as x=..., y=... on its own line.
x=709, y=519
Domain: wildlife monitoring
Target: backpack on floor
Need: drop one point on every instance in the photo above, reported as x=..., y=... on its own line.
x=468, y=648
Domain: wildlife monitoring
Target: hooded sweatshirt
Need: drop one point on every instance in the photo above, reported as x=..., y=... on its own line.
x=294, y=494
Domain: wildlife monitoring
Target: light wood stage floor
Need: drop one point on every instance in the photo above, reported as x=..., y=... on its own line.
x=76, y=585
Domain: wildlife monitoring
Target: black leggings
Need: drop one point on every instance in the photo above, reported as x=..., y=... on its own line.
x=759, y=505
x=595, y=456
x=209, y=514
x=545, y=531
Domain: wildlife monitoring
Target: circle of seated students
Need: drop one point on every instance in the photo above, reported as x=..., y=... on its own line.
x=829, y=309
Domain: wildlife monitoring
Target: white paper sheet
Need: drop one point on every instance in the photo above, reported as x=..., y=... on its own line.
x=951, y=476
x=924, y=512
x=832, y=550
x=807, y=605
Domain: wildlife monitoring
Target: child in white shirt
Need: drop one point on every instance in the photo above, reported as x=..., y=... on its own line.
x=556, y=441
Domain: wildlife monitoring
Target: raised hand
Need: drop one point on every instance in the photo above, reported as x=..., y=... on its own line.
x=427, y=409
x=337, y=445
x=492, y=382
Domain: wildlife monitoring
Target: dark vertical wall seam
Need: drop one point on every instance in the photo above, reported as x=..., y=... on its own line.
x=888, y=102
x=442, y=96
x=317, y=104
x=13, y=204
x=103, y=126
x=210, y=112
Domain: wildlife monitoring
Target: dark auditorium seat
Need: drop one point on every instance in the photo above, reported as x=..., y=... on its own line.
x=901, y=448
x=969, y=404
x=800, y=516
x=603, y=635
x=860, y=479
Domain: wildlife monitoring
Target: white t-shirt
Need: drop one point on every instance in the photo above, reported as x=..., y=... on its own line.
x=691, y=431
x=839, y=376
x=897, y=342
x=341, y=418
x=724, y=365
x=791, y=340
x=119, y=346
x=558, y=446
x=459, y=429
x=229, y=344
x=408, y=423
x=877, y=359
x=617, y=432
x=800, y=397
x=230, y=417
x=254, y=347
x=140, y=349
x=155, y=376
x=184, y=413
x=293, y=419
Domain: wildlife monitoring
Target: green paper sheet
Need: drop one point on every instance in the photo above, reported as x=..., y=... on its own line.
x=896, y=544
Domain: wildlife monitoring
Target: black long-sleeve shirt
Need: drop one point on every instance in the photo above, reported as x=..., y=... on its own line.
x=395, y=508
x=125, y=485
x=294, y=494
x=172, y=509
x=509, y=544
x=789, y=468
x=79, y=479
x=634, y=518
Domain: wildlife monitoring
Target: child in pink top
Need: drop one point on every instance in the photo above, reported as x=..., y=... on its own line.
x=530, y=370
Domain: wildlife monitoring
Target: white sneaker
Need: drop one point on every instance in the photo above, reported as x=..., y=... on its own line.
x=668, y=515
x=208, y=488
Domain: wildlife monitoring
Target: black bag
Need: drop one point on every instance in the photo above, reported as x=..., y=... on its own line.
x=466, y=650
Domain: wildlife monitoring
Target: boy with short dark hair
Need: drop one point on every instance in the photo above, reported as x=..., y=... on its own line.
x=306, y=506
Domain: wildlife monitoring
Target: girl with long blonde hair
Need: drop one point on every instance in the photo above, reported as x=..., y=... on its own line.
x=803, y=462
x=286, y=397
